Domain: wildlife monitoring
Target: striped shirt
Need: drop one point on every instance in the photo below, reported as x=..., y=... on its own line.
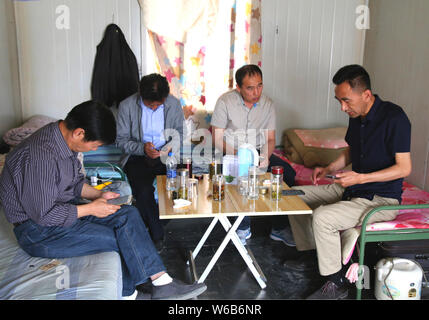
x=40, y=180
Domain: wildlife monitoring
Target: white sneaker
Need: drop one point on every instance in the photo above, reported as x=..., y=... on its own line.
x=244, y=235
x=131, y=297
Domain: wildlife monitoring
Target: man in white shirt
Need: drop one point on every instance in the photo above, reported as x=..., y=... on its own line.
x=246, y=115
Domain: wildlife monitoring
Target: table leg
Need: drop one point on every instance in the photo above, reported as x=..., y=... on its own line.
x=232, y=235
x=204, y=238
x=219, y=251
x=246, y=254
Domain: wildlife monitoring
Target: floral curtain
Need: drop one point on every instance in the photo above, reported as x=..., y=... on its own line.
x=199, y=71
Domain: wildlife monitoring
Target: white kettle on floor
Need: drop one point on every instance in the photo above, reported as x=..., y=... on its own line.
x=398, y=279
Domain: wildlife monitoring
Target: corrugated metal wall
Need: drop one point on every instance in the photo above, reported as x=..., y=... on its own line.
x=397, y=55
x=10, y=110
x=56, y=64
x=304, y=43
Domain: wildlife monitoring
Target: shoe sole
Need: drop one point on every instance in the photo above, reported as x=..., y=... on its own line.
x=280, y=239
x=342, y=296
x=186, y=296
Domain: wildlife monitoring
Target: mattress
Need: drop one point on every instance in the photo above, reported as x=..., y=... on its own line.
x=23, y=277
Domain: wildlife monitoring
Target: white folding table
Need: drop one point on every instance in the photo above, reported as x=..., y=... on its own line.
x=234, y=205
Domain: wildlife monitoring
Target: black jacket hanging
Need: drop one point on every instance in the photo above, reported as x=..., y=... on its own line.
x=115, y=75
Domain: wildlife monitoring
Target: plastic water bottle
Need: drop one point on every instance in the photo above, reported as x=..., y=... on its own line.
x=171, y=164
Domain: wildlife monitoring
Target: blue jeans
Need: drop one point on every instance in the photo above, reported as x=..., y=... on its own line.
x=123, y=232
x=278, y=222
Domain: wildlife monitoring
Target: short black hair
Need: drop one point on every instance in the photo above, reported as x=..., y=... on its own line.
x=247, y=70
x=96, y=119
x=154, y=87
x=355, y=75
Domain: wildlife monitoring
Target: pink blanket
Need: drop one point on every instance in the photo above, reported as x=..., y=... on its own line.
x=332, y=138
x=303, y=174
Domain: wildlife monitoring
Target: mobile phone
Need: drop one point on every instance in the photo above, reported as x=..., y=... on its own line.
x=330, y=176
x=120, y=201
x=293, y=192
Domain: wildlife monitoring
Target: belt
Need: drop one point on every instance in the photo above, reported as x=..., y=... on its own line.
x=16, y=224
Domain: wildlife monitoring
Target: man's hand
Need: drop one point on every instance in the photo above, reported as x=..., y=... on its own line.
x=109, y=195
x=98, y=208
x=319, y=173
x=150, y=151
x=349, y=178
x=264, y=162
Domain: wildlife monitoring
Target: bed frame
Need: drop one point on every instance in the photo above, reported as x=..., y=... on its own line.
x=386, y=235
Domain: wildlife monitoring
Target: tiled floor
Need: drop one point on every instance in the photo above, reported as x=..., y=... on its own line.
x=230, y=279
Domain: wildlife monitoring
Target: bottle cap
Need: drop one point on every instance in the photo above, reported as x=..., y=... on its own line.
x=277, y=170
x=183, y=172
x=170, y=154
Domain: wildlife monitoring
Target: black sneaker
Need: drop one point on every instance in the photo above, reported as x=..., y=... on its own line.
x=177, y=290
x=330, y=291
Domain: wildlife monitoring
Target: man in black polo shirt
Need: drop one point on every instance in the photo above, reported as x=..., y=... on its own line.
x=378, y=135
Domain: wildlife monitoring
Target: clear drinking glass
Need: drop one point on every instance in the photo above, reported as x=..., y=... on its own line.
x=253, y=192
x=243, y=184
x=192, y=190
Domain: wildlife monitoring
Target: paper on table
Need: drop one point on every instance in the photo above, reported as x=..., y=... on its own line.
x=180, y=203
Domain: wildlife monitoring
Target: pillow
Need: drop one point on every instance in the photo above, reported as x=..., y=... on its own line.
x=312, y=156
x=332, y=138
x=16, y=135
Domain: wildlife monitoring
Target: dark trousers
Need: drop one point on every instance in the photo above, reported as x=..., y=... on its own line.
x=141, y=173
x=278, y=222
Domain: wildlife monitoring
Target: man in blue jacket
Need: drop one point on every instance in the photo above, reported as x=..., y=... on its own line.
x=143, y=124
